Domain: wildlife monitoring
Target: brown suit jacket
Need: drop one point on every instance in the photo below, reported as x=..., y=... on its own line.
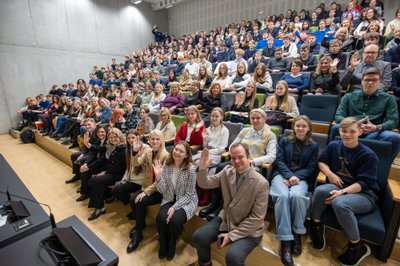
x=244, y=208
x=146, y=161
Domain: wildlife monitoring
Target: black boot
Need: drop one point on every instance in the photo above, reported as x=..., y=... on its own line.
x=286, y=253
x=317, y=234
x=216, y=202
x=72, y=179
x=136, y=239
x=296, y=245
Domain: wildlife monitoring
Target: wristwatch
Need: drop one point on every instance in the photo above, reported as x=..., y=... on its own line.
x=379, y=128
x=344, y=191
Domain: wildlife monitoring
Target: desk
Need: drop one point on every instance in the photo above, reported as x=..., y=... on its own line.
x=38, y=216
x=26, y=251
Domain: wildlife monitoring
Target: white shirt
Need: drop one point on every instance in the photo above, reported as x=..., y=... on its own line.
x=189, y=132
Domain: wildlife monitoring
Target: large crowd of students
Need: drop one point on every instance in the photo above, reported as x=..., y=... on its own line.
x=249, y=72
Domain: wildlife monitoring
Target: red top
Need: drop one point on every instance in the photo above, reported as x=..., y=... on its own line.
x=195, y=137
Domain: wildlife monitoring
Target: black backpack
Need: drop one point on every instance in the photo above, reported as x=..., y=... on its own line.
x=27, y=136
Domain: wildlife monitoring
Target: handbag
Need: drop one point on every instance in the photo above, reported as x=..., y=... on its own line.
x=277, y=118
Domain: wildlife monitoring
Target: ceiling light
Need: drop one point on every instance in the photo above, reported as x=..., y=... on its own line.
x=137, y=2
x=169, y=6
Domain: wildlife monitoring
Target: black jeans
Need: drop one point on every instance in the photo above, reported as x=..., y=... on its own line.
x=100, y=189
x=140, y=208
x=237, y=251
x=168, y=233
x=123, y=192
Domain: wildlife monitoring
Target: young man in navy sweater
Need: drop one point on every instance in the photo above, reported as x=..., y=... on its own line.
x=351, y=169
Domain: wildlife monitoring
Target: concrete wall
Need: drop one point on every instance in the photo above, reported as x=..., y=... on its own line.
x=191, y=16
x=46, y=42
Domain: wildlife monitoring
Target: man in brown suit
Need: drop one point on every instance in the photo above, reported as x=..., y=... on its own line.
x=241, y=221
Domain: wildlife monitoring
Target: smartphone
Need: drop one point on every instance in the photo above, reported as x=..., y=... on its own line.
x=220, y=240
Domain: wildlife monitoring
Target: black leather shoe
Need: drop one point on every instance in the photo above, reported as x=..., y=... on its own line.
x=169, y=258
x=212, y=215
x=96, y=214
x=137, y=238
x=73, y=146
x=82, y=197
x=78, y=190
x=72, y=179
x=109, y=200
x=286, y=253
x=131, y=216
x=161, y=255
x=207, y=210
x=296, y=245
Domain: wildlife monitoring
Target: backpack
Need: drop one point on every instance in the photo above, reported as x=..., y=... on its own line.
x=27, y=136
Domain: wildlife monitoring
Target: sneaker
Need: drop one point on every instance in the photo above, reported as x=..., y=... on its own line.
x=317, y=234
x=354, y=254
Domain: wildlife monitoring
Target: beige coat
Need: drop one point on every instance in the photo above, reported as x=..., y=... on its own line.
x=244, y=209
x=145, y=160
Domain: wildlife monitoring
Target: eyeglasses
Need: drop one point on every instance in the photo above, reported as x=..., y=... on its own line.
x=369, y=53
x=370, y=80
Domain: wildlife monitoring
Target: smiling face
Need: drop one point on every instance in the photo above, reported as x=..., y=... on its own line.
x=113, y=139
x=301, y=129
x=280, y=89
x=239, y=159
x=257, y=120
x=154, y=141
x=350, y=135
x=143, y=114
x=216, y=118
x=101, y=134
x=191, y=116
x=179, y=153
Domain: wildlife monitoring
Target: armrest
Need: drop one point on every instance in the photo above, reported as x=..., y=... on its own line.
x=395, y=189
x=321, y=178
x=170, y=140
x=266, y=165
x=225, y=156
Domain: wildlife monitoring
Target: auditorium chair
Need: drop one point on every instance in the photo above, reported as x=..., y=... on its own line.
x=320, y=109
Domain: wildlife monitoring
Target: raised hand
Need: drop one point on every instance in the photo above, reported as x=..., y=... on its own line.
x=205, y=160
x=137, y=144
x=157, y=169
x=355, y=60
x=335, y=62
x=204, y=135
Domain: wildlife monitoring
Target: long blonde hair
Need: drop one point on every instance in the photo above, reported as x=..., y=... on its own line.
x=274, y=100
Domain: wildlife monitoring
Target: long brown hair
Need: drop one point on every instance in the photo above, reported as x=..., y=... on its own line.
x=187, y=161
x=292, y=136
x=252, y=98
x=194, y=109
x=260, y=78
x=128, y=152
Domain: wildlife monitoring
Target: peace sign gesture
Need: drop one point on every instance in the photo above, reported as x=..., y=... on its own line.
x=157, y=169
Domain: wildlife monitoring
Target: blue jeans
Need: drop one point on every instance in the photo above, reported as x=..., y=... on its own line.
x=386, y=135
x=345, y=208
x=290, y=208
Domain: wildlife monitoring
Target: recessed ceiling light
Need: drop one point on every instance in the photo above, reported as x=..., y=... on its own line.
x=137, y=2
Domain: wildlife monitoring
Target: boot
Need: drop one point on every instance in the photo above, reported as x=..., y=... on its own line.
x=216, y=202
x=205, y=197
x=296, y=245
x=286, y=253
